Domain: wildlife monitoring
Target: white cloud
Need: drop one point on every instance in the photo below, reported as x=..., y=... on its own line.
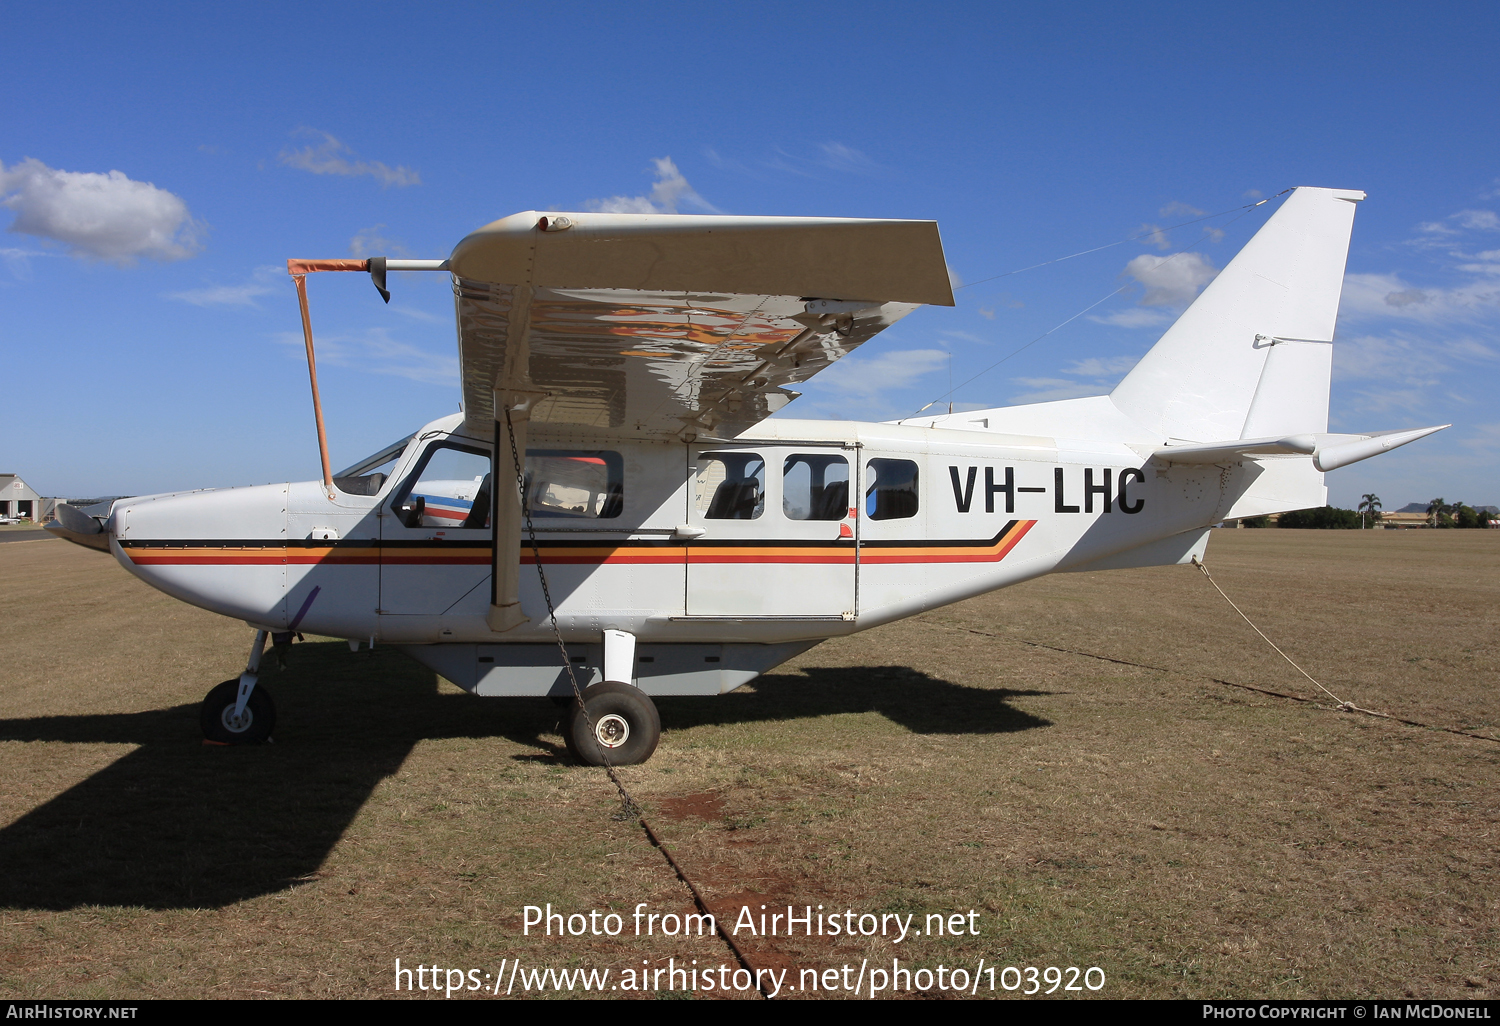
x=1478, y=220
x=369, y=242
x=1485, y=438
x=1135, y=317
x=727, y=163
x=1172, y=281
x=1433, y=234
x=838, y=157
x=1375, y=401
x=1386, y=358
x=261, y=283
x=1175, y=209
x=18, y=261
x=375, y=352
x=869, y=387
x=1111, y=368
x=1490, y=262
x=830, y=156
x=331, y=157
x=670, y=191
x=98, y=216
x=1154, y=236
x=425, y=316
x=1046, y=390
x=1409, y=360
x=869, y=377
x=967, y=336
x=1092, y=376
x=1387, y=295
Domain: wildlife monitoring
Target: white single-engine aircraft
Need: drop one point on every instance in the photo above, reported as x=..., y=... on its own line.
x=690, y=543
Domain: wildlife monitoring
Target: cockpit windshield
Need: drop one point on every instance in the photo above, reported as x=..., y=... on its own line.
x=369, y=475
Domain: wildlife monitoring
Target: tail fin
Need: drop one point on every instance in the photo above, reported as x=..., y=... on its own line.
x=1252, y=356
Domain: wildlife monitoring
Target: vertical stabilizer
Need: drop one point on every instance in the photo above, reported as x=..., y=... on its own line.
x=1254, y=350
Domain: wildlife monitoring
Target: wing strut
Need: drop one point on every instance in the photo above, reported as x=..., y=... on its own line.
x=312, y=376
x=377, y=266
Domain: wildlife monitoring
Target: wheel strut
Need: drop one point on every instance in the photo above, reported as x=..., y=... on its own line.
x=251, y=674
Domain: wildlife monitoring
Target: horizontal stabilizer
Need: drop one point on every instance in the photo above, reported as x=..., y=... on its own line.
x=1329, y=451
x=1342, y=450
x=1220, y=452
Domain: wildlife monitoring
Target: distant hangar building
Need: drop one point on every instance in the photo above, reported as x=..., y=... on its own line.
x=18, y=500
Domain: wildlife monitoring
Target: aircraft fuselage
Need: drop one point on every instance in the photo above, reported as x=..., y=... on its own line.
x=726, y=555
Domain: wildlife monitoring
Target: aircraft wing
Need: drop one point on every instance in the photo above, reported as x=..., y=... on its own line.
x=657, y=325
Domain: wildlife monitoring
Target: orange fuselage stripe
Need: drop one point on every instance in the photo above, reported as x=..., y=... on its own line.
x=277, y=555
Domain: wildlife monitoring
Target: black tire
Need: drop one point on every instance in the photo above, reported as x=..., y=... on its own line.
x=260, y=717
x=623, y=716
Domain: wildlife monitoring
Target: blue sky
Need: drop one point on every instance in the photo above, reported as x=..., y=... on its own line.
x=149, y=337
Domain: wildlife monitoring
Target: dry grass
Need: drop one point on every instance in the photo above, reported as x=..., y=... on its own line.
x=1190, y=838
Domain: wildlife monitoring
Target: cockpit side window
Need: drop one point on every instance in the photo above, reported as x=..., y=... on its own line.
x=449, y=487
x=368, y=476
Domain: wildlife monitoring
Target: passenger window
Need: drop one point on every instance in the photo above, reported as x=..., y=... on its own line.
x=449, y=488
x=815, y=487
x=892, y=492
x=586, y=484
x=731, y=486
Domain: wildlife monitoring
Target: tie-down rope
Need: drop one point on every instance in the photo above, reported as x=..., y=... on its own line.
x=1341, y=703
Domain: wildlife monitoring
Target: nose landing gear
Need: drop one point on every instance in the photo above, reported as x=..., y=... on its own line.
x=237, y=712
x=250, y=726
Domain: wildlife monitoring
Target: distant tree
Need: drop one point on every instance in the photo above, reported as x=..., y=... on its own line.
x=1468, y=516
x=1436, y=508
x=1324, y=517
x=1256, y=522
x=1369, y=506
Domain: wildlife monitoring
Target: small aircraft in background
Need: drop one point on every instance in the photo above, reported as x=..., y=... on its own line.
x=618, y=371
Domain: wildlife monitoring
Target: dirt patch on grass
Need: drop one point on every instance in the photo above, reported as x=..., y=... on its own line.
x=704, y=805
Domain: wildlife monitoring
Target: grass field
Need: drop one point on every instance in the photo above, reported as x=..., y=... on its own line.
x=1189, y=838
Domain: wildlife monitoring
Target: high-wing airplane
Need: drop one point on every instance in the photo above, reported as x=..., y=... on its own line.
x=618, y=371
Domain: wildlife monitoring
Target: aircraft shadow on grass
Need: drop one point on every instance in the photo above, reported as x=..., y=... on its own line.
x=175, y=824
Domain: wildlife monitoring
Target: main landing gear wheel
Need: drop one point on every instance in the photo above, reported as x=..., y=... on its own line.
x=220, y=725
x=626, y=726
